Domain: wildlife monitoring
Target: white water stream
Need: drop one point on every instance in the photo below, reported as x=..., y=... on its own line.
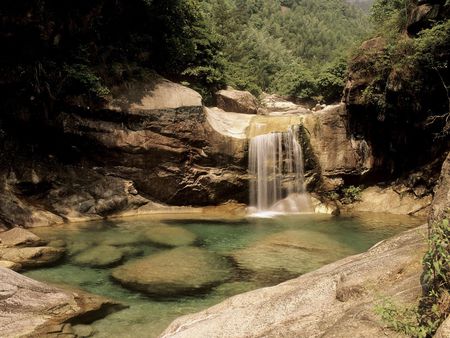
x=277, y=173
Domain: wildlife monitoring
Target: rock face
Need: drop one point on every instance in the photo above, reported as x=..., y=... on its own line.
x=237, y=101
x=335, y=301
x=33, y=309
x=150, y=144
x=390, y=114
x=178, y=271
x=338, y=152
x=441, y=201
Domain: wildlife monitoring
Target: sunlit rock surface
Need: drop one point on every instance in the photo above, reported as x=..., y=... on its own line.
x=388, y=200
x=337, y=300
x=33, y=309
x=238, y=101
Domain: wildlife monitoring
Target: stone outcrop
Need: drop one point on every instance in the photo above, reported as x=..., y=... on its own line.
x=32, y=309
x=337, y=300
x=339, y=153
x=390, y=200
x=237, y=101
x=150, y=145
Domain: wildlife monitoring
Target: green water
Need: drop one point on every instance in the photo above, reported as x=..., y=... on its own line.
x=263, y=252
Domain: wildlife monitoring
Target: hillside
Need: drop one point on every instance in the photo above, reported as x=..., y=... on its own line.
x=295, y=48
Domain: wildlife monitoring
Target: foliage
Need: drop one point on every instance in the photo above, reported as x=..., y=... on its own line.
x=297, y=50
x=55, y=49
x=434, y=307
x=351, y=194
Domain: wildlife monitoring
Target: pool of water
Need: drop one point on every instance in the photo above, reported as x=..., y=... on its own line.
x=255, y=253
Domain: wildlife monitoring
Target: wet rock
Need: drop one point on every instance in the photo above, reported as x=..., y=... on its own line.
x=292, y=251
x=177, y=271
x=99, y=256
x=237, y=101
x=170, y=236
x=10, y=265
x=336, y=300
x=83, y=330
x=322, y=207
x=33, y=309
x=20, y=237
x=32, y=257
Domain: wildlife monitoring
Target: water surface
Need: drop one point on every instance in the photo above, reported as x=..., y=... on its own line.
x=263, y=252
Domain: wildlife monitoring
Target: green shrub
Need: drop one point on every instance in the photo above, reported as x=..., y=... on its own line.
x=351, y=194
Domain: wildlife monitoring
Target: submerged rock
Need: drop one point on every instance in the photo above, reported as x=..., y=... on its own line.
x=169, y=236
x=291, y=252
x=33, y=309
x=337, y=300
x=99, y=256
x=177, y=271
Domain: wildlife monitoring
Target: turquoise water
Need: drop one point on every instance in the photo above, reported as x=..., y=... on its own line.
x=262, y=252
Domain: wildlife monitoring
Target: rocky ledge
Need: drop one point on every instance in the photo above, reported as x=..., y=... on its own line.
x=32, y=309
x=337, y=300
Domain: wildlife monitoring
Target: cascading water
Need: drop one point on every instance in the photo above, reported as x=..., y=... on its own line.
x=277, y=173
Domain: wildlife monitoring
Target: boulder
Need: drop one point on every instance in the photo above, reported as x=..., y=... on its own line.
x=32, y=257
x=20, y=237
x=33, y=309
x=388, y=200
x=169, y=236
x=177, y=271
x=237, y=101
x=337, y=300
x=10, y=265
x=99, y=256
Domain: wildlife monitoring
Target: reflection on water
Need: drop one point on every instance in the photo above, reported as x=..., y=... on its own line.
x=262, y=252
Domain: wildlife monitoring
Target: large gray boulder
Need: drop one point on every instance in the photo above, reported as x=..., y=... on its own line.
x=237, y=101
x=337, y=300
x=33, y=309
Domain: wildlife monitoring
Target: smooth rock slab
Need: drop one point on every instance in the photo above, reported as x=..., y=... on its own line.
x=177, y=271
x=170, y=236
x=33, y=309
x=99, y=256
x=315, y=305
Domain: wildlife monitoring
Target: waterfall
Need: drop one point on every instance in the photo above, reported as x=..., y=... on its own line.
x=277, y=173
